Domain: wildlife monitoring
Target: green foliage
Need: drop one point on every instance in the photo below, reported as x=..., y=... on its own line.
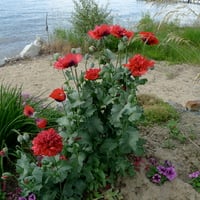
x=60, y=34
x=12, y=118
x=174, y=131
x=15, y=127
x=155, y=110
x=195, y=182
x=87, y=14
x=99, y=129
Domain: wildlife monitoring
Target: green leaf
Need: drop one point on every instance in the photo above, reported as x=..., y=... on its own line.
x=108, y=146
x=94, y=125
x=133, y=137
x=37, y=174
x=116, y=114
x=109, y=54
x=81, y=158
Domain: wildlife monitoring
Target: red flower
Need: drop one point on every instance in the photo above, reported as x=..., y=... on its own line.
x=149, y=38
x=47, y=143
x=92, y=74
x=99, y=31
x=28, y=111
x=120, y=32
x=41, y=122
x=58, y=94
x=68, y=61
x=139, y=65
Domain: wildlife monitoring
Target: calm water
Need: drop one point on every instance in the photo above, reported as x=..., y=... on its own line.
x=22, y=20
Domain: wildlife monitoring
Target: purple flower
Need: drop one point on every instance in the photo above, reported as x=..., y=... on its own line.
x=22, y=198
x=194, y=174
x=170, y=173
x=31, y=197
x=156, y=178
x=153, y=161
x=161, y=169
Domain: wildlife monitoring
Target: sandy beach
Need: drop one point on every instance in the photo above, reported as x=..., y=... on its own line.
x=172, y=83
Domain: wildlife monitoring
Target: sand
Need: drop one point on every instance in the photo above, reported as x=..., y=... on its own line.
x=37, y=76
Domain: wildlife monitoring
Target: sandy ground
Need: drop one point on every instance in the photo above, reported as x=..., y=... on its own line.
x=172, y=83
x=169, y=82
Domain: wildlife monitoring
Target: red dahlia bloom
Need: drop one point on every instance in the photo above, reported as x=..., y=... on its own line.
x=120, y=32
x=69, y=60
x=41, y=122
x=58, y=94
x=99, y=31
x=149, y=38
x=92, y=74
x=47, y=143
x=139, y=65
x=28, y=111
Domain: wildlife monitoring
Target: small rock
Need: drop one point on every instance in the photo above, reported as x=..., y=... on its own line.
x=193, y=105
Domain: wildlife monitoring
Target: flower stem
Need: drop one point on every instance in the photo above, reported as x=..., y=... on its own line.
x=74, y=79
x=64, y=75
x=77, y=81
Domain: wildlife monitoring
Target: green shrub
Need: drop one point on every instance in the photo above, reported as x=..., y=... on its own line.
x=87, y=15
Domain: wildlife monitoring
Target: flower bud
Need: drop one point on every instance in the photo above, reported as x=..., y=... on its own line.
x=6, y=175
x=20, y=139
x=26, y=137
x=3, y=152
x=56, y=56
x=92, y=49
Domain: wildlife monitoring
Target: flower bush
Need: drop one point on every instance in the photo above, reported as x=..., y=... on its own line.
x=88, y=151
x=195, y=180
x=160, y=173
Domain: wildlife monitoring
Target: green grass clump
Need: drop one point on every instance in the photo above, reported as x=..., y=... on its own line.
x=12, y=118
x=156, y=110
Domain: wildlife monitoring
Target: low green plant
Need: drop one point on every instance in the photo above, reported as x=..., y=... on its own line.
x=155, y=110
x=175, y=132
x=195, y=180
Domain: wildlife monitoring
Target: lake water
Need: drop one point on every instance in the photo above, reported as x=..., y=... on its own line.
x=22, y=20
